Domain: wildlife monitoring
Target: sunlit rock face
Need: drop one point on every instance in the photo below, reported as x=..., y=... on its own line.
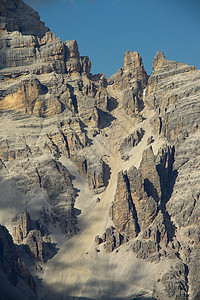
x=99, y=178
x=15, y=15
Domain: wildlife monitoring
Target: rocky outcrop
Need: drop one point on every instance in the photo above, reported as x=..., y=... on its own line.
x=150, y=175
x=96, y=171
x=33, y=235
x=123, y=212
x=131, y=141
x=173, y=91
x=67, y=138
x=23, y=233
x=132, y=103
x=152, y=240
x=25, y=97
x=43, y=175
x=141, y=197
x=23, y=227
x=35, y=245
x=174, y=283
x=145, y=204
x=131, y=75
x=132, y=79
x=18, y=16
x=112, y=239
x=10, y=263
x=137, y=197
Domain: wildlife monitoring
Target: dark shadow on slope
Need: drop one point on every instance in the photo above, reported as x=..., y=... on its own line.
x=98, y=286
x=106, y=174
x=166, y=195
x=84, y=129
x=50, y=250
x=77, y=191
x=44, y=89
x=77, y=211
x=105, y=119
x=73, y=97
x=168, y=178
x=150, y=189
x=112, y=104
x=72, y=177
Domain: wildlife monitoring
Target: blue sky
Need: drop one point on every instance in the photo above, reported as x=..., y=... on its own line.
x=105, y=29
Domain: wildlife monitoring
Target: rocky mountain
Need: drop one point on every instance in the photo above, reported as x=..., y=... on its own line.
x=99, y=178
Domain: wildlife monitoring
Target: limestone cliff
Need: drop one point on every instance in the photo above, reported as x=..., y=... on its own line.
x=15, y=15
x=99, y=178
x=14, y=269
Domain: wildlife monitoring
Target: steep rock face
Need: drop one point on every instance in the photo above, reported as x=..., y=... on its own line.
x=67, y=88
x=39, y=55
x=140, y=192
x=10, y=262
x=25, y=96
x=123, y=212
x=132, y=79
x=62, y=125
x=35, y=244
x=132, y=73
x=145, y=204
x=173, y=89
x=150, y=175
x=174, y=283
x=33, y=235
x=94, y=169
x=148, y=190
x=15, y=15
x=23, y=228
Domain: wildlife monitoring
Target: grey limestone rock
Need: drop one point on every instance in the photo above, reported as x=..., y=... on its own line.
x=62, y=132
x=131, y=141
x=15, y=15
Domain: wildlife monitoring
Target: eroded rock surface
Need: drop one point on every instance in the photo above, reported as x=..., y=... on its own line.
x=66, y=135
x=18, y=16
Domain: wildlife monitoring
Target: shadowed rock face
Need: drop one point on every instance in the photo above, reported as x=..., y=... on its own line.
x=67, y=135
x=10, y=262
x=150, y=175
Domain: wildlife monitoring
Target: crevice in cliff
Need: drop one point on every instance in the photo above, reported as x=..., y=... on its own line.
x=66, y=142
x=39, y=177
x=167, y=181
x=160, y=125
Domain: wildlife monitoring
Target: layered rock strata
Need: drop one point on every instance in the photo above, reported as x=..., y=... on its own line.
x=66, y=132
x=18, y=16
